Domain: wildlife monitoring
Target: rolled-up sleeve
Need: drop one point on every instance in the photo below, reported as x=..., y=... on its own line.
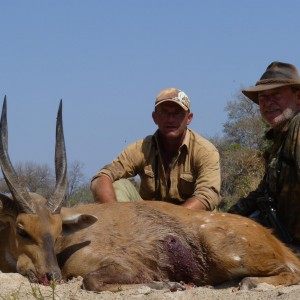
x=208, y=181
x=125, y=165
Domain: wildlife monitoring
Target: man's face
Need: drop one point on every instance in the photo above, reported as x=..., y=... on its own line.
x=278, y=105
x=171, y=119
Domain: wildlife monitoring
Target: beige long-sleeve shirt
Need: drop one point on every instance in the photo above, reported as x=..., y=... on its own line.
x=195, y=171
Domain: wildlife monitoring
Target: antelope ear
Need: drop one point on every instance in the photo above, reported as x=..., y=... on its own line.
x=7, y=205
x=73, y=222
x=8, y=211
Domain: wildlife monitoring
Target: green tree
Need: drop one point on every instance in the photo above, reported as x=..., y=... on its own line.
x=78, y=191
x=83, y=195
x=244, y=125
x=241, y=148
x=41, y=179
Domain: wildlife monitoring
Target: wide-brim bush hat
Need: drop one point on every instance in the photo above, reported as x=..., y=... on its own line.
x=173, y=95
x=277, y=74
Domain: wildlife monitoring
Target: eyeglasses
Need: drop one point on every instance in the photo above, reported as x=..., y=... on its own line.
x=176, y=115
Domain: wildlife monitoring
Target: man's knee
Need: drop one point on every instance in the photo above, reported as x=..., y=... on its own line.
x=125, y=191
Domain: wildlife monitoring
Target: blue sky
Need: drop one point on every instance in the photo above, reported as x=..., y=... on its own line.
x=108, y=60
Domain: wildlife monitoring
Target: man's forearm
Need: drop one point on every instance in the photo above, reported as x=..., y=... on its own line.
x=102, y=190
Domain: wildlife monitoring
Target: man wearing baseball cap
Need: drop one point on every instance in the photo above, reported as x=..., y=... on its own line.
x=278, y=95
x=175, y=164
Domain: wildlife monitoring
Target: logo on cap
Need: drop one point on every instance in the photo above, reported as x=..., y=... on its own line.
x=183, y=99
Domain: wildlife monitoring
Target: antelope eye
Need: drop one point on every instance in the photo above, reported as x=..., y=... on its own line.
x=22, y=233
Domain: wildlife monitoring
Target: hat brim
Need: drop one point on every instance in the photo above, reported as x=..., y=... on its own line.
x=252, y=92
x=174, y=101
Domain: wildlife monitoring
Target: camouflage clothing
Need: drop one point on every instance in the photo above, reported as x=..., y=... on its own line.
x=195, y=171
x=282, y=177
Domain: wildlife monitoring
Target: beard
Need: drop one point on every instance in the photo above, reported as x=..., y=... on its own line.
x=287, y=114
x=274, y=119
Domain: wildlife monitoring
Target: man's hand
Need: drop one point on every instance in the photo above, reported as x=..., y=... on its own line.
x=194, y=203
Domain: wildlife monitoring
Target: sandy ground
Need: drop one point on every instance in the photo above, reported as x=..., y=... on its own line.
x=15, y=286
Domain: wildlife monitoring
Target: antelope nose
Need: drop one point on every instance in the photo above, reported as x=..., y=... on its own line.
x=54, y=276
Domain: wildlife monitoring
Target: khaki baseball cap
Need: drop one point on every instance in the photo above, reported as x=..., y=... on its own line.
x=173, y=95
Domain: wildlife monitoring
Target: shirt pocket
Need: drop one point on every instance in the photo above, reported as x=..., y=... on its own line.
x=186, y=185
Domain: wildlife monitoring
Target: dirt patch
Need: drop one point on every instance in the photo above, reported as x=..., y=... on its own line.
x=15, y=286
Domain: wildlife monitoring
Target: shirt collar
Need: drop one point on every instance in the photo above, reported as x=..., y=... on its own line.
x=185, y=143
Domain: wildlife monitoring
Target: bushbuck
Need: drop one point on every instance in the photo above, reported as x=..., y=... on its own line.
x=118, y=245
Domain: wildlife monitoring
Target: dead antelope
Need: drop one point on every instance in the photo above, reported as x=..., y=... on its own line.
x=120, y=244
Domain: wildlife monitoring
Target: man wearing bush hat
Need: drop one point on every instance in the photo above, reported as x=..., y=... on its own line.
x=278, y=95
x=175, y=164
